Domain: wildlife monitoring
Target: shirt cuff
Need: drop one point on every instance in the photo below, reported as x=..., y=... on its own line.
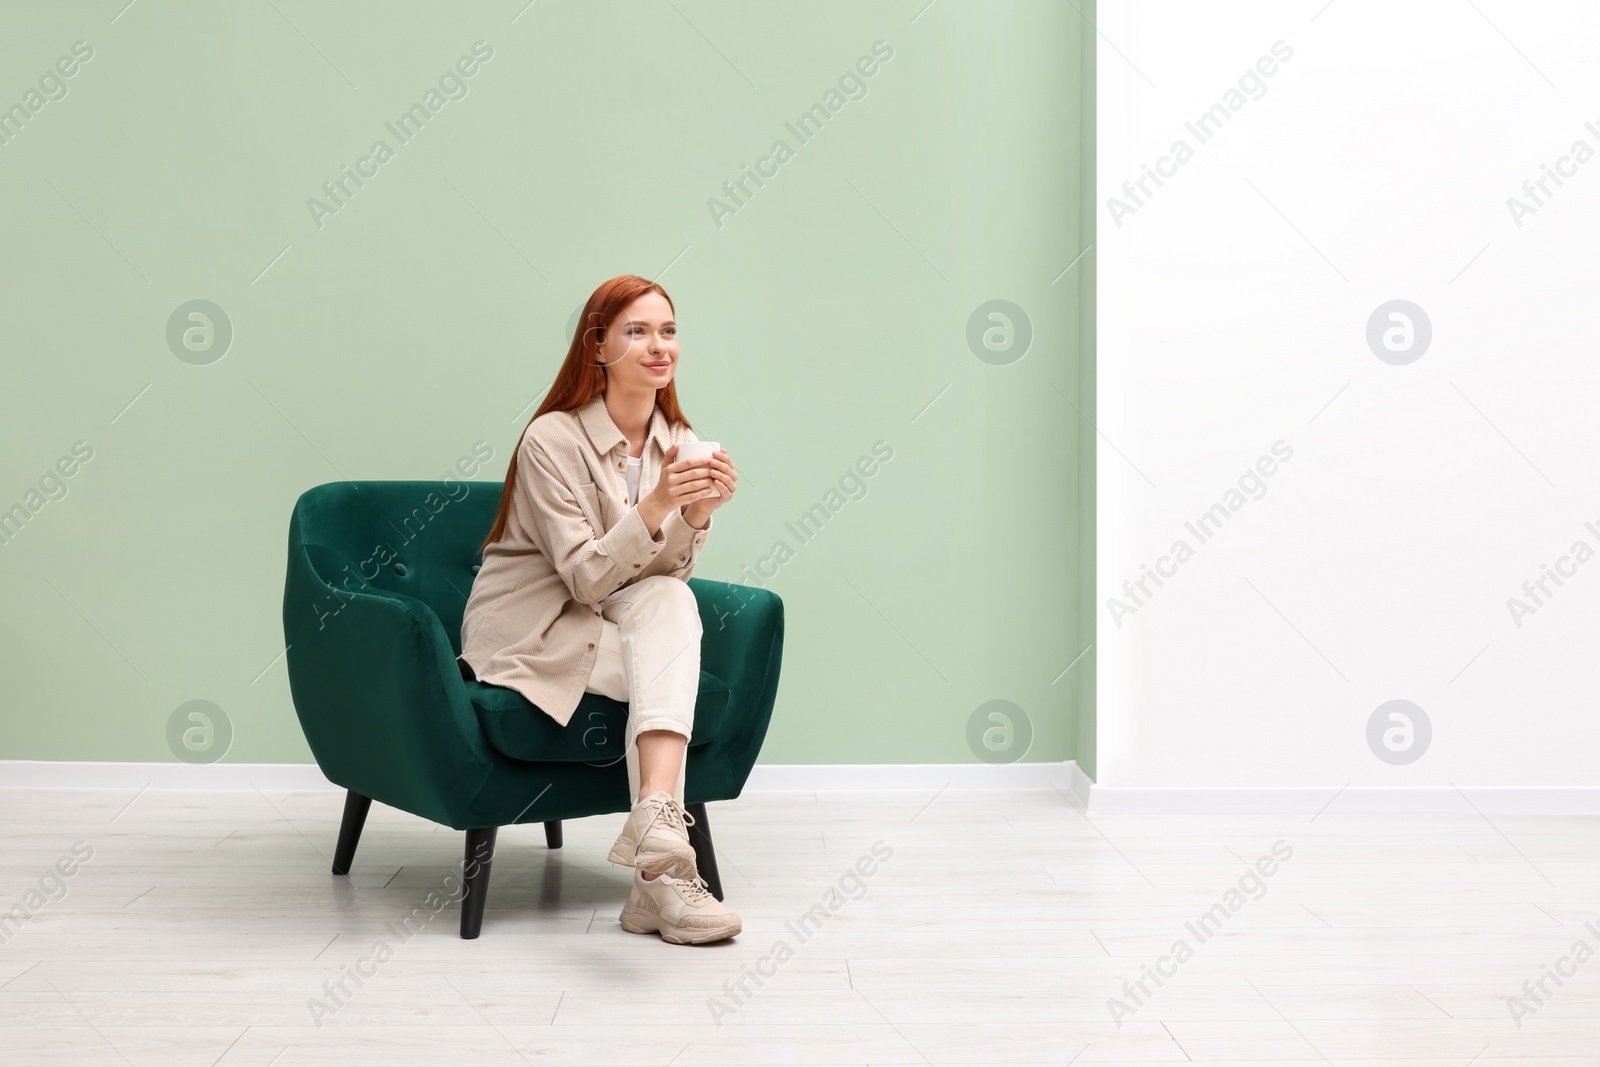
x=682, y=541
x=629, y=543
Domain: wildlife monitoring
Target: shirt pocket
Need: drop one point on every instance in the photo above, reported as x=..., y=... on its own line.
x=589, y=501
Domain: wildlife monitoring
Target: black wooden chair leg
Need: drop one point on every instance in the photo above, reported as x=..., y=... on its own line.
x=705, y=857
x=475, y=876
x=552, y=833
x=356, y=807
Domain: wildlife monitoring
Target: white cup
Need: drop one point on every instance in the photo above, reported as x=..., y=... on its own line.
x=699, y=450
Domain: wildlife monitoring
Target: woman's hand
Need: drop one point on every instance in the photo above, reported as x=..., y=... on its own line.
x=691, y=485
x=720, y=467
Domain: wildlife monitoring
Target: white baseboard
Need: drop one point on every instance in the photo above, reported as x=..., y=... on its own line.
x=873, y=777
x=1352, y=800
x=764, y=778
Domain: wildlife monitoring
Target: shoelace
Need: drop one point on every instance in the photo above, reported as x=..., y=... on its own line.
x=695, y=891
x=677, y=818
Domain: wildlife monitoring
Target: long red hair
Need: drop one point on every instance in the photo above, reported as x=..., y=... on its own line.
x=582, y=377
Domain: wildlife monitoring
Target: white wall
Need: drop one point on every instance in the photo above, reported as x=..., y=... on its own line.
x=1423, y=496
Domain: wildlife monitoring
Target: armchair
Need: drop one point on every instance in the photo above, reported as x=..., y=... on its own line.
x=377, y=580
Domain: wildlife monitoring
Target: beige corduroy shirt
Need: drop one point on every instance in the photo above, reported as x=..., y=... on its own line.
x=532, y=621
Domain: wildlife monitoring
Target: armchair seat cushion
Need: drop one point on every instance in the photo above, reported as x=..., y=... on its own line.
x=516, y=728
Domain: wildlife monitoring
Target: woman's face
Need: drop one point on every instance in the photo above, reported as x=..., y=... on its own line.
x=641, y=346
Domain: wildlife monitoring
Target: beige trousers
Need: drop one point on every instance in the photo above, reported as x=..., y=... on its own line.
x=649, y=657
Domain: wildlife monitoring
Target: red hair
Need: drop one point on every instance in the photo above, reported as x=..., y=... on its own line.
x=582, y=377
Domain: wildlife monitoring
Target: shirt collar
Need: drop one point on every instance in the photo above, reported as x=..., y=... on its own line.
x=605, y=436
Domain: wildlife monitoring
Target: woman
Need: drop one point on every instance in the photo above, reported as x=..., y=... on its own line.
x=584, y=581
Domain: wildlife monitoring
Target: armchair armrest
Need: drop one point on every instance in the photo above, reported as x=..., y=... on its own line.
x=379, y=696
x=742, y=644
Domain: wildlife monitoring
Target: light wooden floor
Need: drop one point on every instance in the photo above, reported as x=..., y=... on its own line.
x=996, y=933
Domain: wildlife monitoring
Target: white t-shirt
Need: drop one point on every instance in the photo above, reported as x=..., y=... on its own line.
x=634, y=466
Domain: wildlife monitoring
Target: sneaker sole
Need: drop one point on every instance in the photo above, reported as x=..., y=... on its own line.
x=677, y=864
x=645, y=923
x=680, y=863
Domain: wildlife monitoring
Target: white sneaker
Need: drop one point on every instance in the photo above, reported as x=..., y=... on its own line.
x=655, y=838
x=682, y=911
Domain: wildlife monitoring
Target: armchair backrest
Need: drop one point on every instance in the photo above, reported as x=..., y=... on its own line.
x=417, y=538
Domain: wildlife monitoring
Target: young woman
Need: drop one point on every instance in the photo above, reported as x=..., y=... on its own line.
x=584, y=581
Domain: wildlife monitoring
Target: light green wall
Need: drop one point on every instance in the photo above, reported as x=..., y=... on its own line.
x=827, y=314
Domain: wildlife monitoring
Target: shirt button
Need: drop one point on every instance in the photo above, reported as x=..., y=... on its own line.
x=591, y=646
x=681, y=558
x=636, y=566
x=620, y=466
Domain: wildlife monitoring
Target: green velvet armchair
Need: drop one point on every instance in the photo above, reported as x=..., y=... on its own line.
x=377, y=581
